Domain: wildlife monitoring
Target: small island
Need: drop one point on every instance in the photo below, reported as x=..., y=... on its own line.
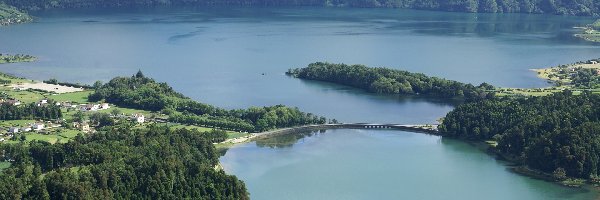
x=391, y=81
x=6, y=58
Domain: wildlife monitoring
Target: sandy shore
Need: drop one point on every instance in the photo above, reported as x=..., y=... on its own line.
x=47, y=87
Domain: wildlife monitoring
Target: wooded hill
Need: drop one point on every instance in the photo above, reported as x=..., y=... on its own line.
x=559, y=7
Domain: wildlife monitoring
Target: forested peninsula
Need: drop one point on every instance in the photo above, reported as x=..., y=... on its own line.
x=558, y=7
x=170, y=155
x=557, y=134
x=141, y=92
x=391, y=81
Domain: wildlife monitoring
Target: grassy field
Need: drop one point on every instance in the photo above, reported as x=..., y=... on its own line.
x=76, y=97
x=230, y=134
x=12, y=123
x=24, y=96
x=4, y=165
x=63, y=136
x=13, y=79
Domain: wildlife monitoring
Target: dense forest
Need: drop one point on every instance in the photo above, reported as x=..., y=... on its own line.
x=586, y=78
x=558, y=133
x=560, y=7
x=30, y=111
x=391, y=81
x=121, y=162
x=141, y=92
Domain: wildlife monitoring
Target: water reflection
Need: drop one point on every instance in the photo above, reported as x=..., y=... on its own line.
x=286, y=140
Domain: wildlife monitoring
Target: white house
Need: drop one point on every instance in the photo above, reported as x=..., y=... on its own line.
x=139, y=118
x=38, y=126
x=90, y=107
x=104, y=106
x=13, y=130
x=13, y=102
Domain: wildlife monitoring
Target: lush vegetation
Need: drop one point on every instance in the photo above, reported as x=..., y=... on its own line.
x=4, y=58
x=29, y=111
x=11, y=15
x=118, y=162
x=558, y=133
x=580, y=75
x=390, y=81
x=77, y=85
x=595, y=25
x=144, y=93
x=561, y=7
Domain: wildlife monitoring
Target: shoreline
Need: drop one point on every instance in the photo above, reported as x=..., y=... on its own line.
x=513, y=166
x=430, y=129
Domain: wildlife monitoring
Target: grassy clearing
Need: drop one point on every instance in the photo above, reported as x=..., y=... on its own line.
x=4, y=165
x=13, y=123
x=126, y=111
x=13, y=79
x=236, y=134
x=526, y=92
x=63, y=136
x=69, y=133
x=25, y=96
x=76, y=97
x=230, y=134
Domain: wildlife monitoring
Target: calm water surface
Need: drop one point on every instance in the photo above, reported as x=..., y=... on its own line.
x=366, y=164
x=219, y=56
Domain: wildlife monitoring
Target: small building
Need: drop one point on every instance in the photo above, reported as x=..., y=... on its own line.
x=104, y=106
x=38, y=126
x=13, y=130
x=1, y=139
x=19, y=88
x=90, y=107
x=83, y=126
x=26, y=129
x=139, y=118
x=66, y=104
x=13, y=102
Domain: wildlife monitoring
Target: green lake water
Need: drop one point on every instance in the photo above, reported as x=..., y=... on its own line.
x=369, y=164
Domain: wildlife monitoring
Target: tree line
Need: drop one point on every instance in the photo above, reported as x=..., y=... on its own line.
x=30, y=111
x=391, y=81
x=141, y=92
x=558, y=133
x=5, y=58
x=122, y=162
x=559, y=7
